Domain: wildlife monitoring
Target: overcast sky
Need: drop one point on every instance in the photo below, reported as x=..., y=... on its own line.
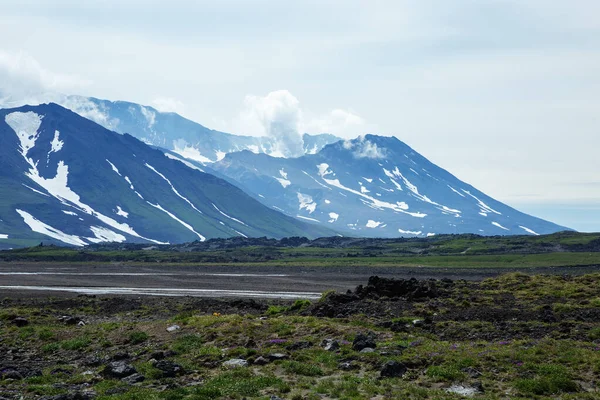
x=505, y=94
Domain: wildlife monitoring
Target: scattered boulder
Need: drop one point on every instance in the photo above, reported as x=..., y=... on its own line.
x=411, y=289
x=173, y=328
x=260, y=360
x=10, y=373
x=235, y=363
x=362, y=341
x=118, y=369
x=70, y=320
x=368, y=350
x=72, y=396
x=277, y=356
x=299, y=346
x=20, y=322
x=135, y=378
x=393, y=369
x=169, y=369
x=348, y=366
x=467, y=391
x=120, y=356
x=330, y=345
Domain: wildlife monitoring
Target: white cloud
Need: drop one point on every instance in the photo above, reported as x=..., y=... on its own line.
x=363, y=148
x=279, y=114
x=337, y=122
x=24, y=81
x=168, y=104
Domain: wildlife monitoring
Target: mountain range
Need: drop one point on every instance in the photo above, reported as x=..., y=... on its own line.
x=375, y=186
x=173, y=132
x=66, y=179
x=140, y=175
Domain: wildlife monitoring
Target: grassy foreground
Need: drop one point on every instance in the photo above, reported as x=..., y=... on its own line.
x=512, y=337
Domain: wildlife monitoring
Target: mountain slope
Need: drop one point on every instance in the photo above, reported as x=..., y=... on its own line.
x=174, y=132
x=375, y=186
x=67, y=178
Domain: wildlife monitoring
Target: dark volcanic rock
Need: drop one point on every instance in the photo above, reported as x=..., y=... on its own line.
x=393, y=369
x=71, y=396
x=363, y=341
x=169, y=369
x=20, y=322
x=411, y=289
x=135, y=378
x=330, y=345
x=118, y=369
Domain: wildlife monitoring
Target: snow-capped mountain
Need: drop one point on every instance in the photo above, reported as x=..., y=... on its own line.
x=66, y=179
x=375, y=186
x=173, y=132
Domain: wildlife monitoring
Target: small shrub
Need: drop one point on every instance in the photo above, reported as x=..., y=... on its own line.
x=274, y=310
x=187, y=343
x=300, y=304
x=45, y=334
x=305, y=369
x=50, y=347
x=447, y=373
x=137, y=337
x=594, y=333
x=76, y=343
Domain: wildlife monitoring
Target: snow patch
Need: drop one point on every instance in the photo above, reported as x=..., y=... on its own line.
x=416, y=233
x=306, y=202
x=105, y=235
x=35, y=190
x=181, y=147
x=484, y=207
x=38, y=226
x=373, y=224
x=26, y=126
x=283, y=174
x=220, y=155
x=500, y=226
x=121, y=212
x=227, y=216
x=173, y=187
x=327, y=201
x=430, y=234
x=284, y=182
x=529, y=230
x=3, y=236
x=114, y=168
x=69, y=212
x=184, y=162
x=456, y=191
x=307, y=218
x=333, y=217
x=56, y=145
x=185, y=224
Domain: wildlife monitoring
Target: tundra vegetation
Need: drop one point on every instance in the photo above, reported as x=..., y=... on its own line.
x=515, y=336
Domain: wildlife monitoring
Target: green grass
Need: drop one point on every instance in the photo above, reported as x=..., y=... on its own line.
x=440, y=251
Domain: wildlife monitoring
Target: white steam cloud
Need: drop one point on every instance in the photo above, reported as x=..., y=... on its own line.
x=279, y=114
x=363, y=148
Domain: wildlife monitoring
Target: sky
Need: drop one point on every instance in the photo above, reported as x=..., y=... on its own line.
x=505, y=94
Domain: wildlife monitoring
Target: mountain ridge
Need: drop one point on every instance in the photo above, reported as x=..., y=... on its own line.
x=67, y=177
